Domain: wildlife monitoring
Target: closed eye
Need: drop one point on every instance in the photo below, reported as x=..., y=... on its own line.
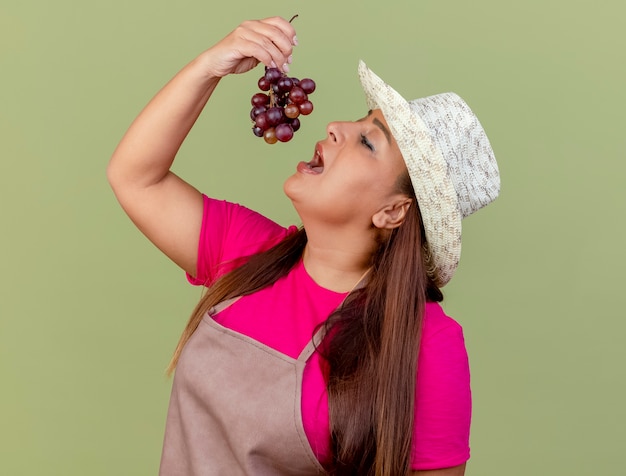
x=367, y=143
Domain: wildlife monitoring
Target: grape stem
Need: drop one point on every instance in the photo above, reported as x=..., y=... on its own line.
x=293, y=18
x=272, y=100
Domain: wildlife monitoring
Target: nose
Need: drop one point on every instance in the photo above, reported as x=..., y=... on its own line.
x=336, y=131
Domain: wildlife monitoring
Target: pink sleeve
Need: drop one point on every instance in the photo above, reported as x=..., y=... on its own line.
x=229, y=233
x=443, y=398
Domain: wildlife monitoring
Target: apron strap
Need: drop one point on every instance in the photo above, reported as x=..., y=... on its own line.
x=312, y=345
x=220, y=306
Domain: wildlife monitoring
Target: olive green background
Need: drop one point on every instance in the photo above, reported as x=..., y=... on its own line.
x=90, y=311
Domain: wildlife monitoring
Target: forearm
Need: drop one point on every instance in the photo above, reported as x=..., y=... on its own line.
x=147, y=150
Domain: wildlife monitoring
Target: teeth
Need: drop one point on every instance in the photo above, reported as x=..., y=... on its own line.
x=317, y=162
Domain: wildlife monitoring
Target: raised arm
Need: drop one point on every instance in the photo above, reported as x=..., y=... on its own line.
x=164, y=207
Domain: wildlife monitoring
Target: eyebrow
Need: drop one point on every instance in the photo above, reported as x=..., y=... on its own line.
x=384, y=129
x=380, y=125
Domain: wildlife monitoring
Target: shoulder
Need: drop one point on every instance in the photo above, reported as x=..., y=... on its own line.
x=231, y=232
x=215, y=209
x=437, y=325
x=242, y=224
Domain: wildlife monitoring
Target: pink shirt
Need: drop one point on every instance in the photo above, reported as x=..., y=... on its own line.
x=285, y=316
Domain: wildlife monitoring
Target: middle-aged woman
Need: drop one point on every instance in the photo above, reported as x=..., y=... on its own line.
x=321, y=349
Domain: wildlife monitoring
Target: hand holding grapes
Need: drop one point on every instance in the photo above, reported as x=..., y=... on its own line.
x=269, y=41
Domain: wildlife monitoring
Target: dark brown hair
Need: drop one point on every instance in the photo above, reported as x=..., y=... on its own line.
x=371, y=347
x=372, y=356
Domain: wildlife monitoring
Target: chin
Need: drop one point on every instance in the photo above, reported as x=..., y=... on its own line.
x=291, y=191
x=289, y=187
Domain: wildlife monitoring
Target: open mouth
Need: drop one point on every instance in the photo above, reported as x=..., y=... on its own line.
x=316, y=164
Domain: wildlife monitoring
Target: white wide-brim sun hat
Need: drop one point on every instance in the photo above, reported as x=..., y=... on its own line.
x=449, y=158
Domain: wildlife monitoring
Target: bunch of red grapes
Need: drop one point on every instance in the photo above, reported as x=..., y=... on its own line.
x=276, y=113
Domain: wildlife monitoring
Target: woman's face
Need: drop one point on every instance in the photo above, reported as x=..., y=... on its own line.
x=352, y=175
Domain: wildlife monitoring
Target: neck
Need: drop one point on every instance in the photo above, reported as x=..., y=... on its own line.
x=338, y=261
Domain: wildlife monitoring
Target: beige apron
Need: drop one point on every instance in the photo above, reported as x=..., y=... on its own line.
x=235, y=408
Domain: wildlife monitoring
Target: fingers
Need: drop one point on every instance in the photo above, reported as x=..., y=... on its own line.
x=271, y=41
x=286, y=28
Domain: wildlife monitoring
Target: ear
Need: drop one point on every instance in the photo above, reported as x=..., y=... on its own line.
x=392, y=215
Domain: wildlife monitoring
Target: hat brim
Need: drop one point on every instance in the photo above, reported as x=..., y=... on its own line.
x=435, y=192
